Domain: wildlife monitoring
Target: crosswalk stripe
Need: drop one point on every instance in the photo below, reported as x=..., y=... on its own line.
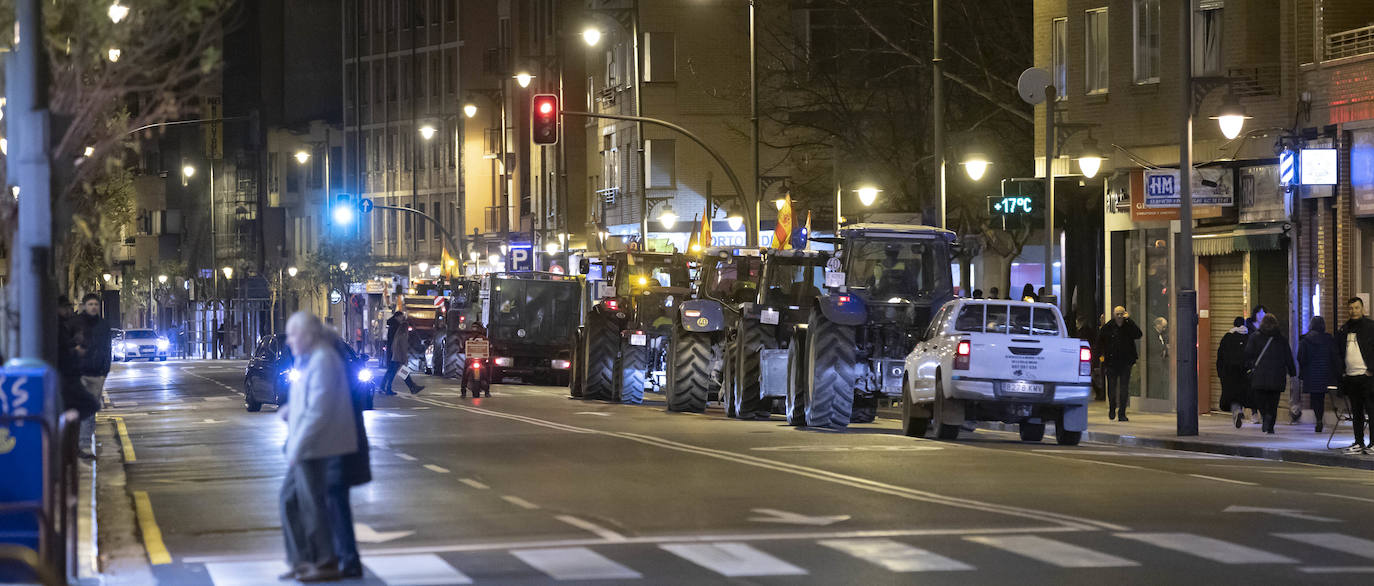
x=1208, y=548
x=574, y=563
x=414, y=570
x=1335, y=541
x=1050, y=551
x=245, y=573
x=895, y=556
x=733, y=559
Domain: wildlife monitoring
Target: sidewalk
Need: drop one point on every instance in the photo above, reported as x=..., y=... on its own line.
x=1217, y=434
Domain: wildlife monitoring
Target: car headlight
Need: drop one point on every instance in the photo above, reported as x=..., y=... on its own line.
x=365, y=375
x=292, y=374
x=504, y=361
x=130, y=346
x=163, y=344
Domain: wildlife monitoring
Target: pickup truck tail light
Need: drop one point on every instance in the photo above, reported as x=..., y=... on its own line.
x=961, y=355
x=1085, y=361
x=562, y=364
x=611, y=304
x=504, y=361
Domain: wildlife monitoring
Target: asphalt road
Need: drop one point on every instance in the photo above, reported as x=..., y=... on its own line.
x=529, y=486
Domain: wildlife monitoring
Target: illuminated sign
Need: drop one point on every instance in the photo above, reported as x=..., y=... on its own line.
x=1317, y=167
x=1012, y=205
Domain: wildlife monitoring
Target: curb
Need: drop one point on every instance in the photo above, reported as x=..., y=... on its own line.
x=1196, y=445
x=123, y=559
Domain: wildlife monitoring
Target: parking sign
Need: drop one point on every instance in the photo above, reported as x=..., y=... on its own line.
x=521, y=258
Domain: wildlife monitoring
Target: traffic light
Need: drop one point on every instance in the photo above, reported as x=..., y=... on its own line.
x=344, y=210
x=544, y=114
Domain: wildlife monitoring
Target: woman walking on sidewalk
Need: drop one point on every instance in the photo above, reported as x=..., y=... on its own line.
x=1271, y=363
x=1318, y=365
x=1235, y=386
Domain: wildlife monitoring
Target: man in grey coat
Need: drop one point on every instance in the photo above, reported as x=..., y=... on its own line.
x=319, y=426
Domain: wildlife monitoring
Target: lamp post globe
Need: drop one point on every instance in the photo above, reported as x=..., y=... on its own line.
x=867, y=195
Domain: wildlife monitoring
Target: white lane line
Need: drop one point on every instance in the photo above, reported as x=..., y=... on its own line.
x=1206, y=477
x=595, y=529
x=1057, y=553
x=439, y=469
x=895, y=555
x=1337, y=570
x=1346, y=496
x=574, y=563
x=1335, y=541
x=1208, y=548
x=414, y=570
x=245, y=573
x=519, y=502
x=406, y=457
x=733, y=559
x=808, y=472
x=473, y=483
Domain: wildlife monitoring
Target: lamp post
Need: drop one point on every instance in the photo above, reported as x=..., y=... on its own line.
x=867, y=195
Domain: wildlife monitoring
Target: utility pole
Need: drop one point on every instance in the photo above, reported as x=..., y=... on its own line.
x=1185, y=318
x=938, y=90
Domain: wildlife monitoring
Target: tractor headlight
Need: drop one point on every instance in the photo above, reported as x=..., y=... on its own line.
x=292, y=375
x=365, y=375
x=163, y=344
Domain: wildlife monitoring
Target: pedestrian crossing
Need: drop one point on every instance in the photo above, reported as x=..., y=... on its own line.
x=1329, y=554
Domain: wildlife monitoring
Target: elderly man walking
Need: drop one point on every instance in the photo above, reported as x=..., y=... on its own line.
x=1117, y=342
x=320, y=426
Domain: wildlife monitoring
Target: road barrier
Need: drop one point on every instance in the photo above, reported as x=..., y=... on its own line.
x=38, y=498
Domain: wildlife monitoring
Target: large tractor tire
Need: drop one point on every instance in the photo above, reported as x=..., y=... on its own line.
x=728, y=378
x=633, y=365
x=865, y=410
x=689, y=370
x=797, y=382
x=830, y=357
x=602, y=343
x=577, y=378
x=754, y=338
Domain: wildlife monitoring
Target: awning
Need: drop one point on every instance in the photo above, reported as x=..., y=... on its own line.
x=1238, y=240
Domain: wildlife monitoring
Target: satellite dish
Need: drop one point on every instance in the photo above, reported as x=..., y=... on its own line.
x=1032, y=85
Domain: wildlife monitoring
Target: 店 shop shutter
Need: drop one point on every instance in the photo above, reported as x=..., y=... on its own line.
x=1227, y=289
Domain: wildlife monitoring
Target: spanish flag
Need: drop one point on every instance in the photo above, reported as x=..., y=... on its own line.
x=448, y=265
x=782, y=233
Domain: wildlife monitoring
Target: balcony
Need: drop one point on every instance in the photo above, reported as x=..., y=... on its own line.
x=1255, y=81
x=1350, y=43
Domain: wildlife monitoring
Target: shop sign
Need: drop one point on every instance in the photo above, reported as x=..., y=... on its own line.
x=1362, y=171
x=1317, y=167
x=1151, y=208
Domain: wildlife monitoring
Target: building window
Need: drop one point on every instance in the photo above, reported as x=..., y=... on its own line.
x=1095, y=48
x=1059, y=56
x=420, y=222
x=1147, y=41
x=660, y=57
x=1207, y=39
x=610, y=162
x=659, y=160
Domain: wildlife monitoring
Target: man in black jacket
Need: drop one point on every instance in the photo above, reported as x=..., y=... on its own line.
x=1355, y=340
x=1117, y=340
x=94, y=354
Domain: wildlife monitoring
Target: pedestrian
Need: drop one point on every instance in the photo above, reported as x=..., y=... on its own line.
x=1355, y=341
x=70, y=352
x=97, y=353
x=1318, y=364
x=977, y=293
x=1161, y=334
x=345, y=472
x=1271, y=363
x=1117, y=339
x=994, y=293
x=320, y=427
x=1028, y=293
x=400, y=356
x=1235, y=385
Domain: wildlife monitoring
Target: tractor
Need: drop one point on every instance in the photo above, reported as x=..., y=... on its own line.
x=695, y=371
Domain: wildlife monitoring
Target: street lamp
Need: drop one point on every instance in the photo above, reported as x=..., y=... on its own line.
x=162, y=279
x=1231, y=117
x=117, y=12
x=668, y=217
x=228, y=272
x=551, y=248
x=113, y=55
x=1090, y=160
x=523, y=78
x=107, y=277
x=867, y=195
x=302, y=156
x=427, y=131
x=975, y=165
x=592, y=36
x=291, y=271
x=469, y=110
x=188, y=171
x=735, y=221
x=343, y=266
x=424, y=267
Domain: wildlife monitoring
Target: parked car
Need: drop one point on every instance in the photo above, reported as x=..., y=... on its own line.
x=136, y=344
x=269, y=374
x=992, y=360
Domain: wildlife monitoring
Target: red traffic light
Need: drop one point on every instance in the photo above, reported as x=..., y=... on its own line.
x=545, y=118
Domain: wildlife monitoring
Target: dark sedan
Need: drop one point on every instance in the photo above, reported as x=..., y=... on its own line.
x=270, y=372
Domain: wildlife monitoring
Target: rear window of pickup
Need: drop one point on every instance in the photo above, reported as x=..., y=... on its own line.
x=1001, y=318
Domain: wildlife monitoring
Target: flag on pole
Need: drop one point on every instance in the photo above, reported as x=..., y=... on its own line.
x=448, y=266
x=801, y=239
x=693, y=241
x=705, y=229
x=782, y=233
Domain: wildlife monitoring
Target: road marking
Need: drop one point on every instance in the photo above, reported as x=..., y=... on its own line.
x=245, y=573
x=1337, y=570
x=439, y=469
x=825, y=448
x=895, y=556
x=733, y=559
x=124, y=440
x=366, y=534
x=1335, y=541
x=661, y=539
x=574, y=563
x=1208, y=548
x=1179, y=456
x=595, y=529
x=1206, y=477
x=597, y=413
x=1057, y=553
x=152, y=534
x=210, y=420
x=1346, y=496
x=406, y=457
x=473, y=483
x=776, y=516
x=414, y=570
x=1290, y=513
x=519, y=502
x=814, y=473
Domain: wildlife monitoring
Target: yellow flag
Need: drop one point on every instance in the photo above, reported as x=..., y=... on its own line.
x=448, y=266
x=782, y=234
x=706, y=230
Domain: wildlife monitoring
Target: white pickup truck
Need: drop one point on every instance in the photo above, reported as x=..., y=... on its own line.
x=995, y=360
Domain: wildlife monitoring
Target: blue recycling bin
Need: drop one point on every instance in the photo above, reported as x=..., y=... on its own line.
x=29, y=457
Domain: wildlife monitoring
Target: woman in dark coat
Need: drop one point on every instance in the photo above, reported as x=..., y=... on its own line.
x=1028, y=293
x=1318, y=365
x=1271, y=363
x=1235, y=386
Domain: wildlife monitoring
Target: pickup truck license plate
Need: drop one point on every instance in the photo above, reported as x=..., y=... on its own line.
x=1023, y=388
x=638, y=339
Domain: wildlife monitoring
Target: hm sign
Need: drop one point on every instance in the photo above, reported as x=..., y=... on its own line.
x=1161, y=189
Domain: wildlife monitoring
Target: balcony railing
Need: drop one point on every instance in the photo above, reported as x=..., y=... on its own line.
x=1350, y=43
x=1255, y=81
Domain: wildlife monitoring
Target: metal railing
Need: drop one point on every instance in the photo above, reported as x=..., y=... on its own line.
x=1255, y=81
x=1350, y=43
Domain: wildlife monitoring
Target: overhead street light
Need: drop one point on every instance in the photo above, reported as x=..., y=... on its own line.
x=343, y=266
x=469, y=110
x=867, y=195
x=735, y=221
x=113, y=55
x=188, y=171
x=427, y=131
x=976, y=165
x=424, y=267
x=523, y=78
x=1090, y=159
x=228, y=272
x=668, y=218
x=291, y=271
x=117, y=12
x=302, y=156
x=1231, y=117
x=162, y=279
x=107, y=277
x=592, y=36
